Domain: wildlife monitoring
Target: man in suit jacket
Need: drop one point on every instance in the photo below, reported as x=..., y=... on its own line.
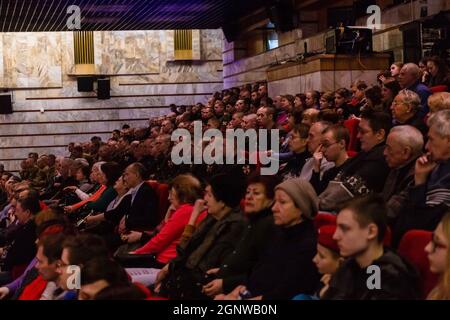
x=143, y=212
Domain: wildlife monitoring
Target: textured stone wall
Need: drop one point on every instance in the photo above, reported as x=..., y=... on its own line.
x=144, y=82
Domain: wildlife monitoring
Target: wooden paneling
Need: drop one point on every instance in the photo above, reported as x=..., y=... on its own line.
x=328, y=62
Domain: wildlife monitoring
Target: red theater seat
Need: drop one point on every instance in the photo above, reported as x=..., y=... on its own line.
x=412, y=247
x=352, y=126
x=323, y=219
x=162, y=192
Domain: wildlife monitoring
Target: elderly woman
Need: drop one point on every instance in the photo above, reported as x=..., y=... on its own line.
x=405, y=110
x=439, y=101
x=259, y=199
x=286, y=266
x=210, y=245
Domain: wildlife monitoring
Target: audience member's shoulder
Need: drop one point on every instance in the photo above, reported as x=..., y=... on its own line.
x=393, y=265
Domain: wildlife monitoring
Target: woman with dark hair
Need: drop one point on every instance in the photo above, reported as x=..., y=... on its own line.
x=257, y=208
x=423, y=68
x=341, y=99
x=389, y=90
x=20, y=248
x=211, y=243
x=99, y=274
x=297, y=145
x=285, y=267
x=327, y=101
x=439, y=73
x=108, y=174
x=312, y=99
x=300, y=102
x=373, y=98
x=95, y=192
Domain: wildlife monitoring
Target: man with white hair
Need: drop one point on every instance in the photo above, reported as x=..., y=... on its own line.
x=429, y=198
x=404, y=145
x=405, y=108
x=409, y=78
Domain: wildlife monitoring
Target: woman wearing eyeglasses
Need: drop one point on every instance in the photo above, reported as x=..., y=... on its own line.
x=439, y=258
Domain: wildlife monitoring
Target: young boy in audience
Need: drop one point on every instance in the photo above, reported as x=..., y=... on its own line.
x=327, y=260
x=370, y=271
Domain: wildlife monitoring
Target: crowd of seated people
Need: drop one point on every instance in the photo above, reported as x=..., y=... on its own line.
x=364, y=172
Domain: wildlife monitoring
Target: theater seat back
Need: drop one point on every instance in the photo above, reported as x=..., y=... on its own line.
x=352, y=127
x=162, y=192
x=323, y=219
x=412, y=247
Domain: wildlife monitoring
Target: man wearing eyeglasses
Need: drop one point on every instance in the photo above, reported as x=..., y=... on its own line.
x=429, y=197
x=404, y=145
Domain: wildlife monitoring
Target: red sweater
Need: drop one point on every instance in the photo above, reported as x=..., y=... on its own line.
x=165, y=242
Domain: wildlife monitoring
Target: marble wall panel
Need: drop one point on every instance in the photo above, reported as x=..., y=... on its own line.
x=129, y=52
x=170, y=44
x=118, y=48
x=96, y=114
x=47, y=140
x=31, y=59
x=211, y=44
x=21, y=153
x=75, y=128
x=196, y=45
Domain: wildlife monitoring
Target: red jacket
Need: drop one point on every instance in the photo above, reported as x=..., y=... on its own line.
x=164, y=244
x=34, y=290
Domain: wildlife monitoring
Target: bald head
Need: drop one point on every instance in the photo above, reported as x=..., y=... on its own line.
x=409, y=75
x=249, y=121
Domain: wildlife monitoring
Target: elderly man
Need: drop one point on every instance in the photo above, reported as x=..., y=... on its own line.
x=429, y=198
x=409, y=78
x=405, y=108
x=404, y=145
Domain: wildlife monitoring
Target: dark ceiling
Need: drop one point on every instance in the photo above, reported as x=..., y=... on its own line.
x=51, y=15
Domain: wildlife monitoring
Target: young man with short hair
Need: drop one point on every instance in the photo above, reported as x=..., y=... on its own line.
x=370, y=271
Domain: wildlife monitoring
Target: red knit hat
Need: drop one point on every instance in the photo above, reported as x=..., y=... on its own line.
x=326, y=237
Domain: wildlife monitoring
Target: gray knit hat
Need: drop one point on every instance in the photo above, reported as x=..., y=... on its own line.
x=303, y=195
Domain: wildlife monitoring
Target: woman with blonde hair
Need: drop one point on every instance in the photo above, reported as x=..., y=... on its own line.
x=439, y=101
x=439, y=257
